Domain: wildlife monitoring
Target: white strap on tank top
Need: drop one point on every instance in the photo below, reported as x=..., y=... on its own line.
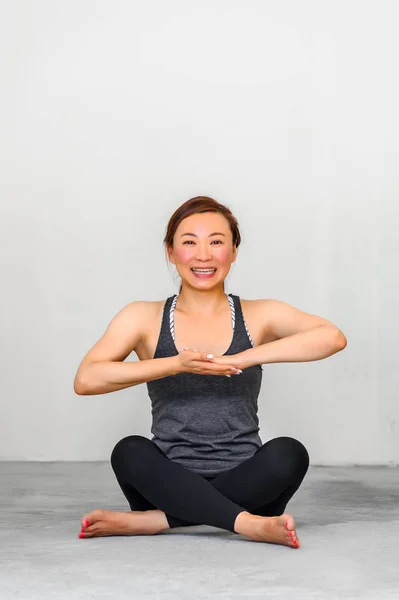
x=233, y=317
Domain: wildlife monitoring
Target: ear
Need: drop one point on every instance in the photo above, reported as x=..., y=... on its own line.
x=234, y=256
x=170, y=255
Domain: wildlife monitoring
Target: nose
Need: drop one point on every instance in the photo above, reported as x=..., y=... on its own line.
x=203, y=252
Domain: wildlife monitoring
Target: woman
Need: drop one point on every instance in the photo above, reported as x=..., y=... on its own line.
x=205, y=463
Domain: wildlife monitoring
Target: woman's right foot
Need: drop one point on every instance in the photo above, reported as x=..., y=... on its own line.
x=101, y=523
x=274, y=530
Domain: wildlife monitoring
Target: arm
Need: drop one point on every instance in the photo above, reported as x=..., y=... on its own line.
x=102, y=370
x=102, y=377
x=293, y=336
x=315, y=344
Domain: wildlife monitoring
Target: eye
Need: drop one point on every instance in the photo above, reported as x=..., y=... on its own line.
x=192, y=242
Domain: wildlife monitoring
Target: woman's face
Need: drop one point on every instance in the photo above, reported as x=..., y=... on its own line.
x=203, y=242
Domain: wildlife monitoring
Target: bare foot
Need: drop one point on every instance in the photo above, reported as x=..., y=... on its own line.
x=274, y=530
x=108, y=522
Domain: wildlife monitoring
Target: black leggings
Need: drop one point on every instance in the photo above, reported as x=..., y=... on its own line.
x=261, y=485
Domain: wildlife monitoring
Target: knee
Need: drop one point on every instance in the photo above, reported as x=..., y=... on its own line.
x=130, y=446
x=290, y=456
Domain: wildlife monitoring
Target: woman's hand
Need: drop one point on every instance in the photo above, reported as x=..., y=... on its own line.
x=240, y=360
x=201, y=363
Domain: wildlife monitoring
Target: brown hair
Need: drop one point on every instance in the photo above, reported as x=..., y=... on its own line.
x=200, y=204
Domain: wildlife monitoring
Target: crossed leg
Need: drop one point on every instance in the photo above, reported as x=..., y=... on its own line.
x=262, y=485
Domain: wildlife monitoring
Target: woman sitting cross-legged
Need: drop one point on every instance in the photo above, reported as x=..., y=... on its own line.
x=200, y=354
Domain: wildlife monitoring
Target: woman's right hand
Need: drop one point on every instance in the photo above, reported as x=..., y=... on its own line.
x=192, y=361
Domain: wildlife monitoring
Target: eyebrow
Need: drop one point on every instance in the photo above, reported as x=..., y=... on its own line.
x=210, y=235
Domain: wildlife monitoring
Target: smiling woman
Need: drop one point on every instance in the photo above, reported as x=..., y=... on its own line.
x=180, y=228
x=205, y=463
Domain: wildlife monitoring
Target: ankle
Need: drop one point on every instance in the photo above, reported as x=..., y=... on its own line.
x=149, y=521
x=246, y=522
x=162, y=520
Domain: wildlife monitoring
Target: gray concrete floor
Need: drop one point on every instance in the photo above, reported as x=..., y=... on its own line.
x=347, y=520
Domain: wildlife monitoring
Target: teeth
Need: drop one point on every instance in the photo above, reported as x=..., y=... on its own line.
x=203, y=270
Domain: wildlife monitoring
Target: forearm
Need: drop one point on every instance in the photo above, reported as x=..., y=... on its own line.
x=103, y=377
x=315, y=344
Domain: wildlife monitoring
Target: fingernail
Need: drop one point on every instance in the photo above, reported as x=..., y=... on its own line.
x=228, y=375
x=209, y=355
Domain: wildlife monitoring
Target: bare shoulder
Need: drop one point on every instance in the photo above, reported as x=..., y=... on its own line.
x=143, y=306
x=254, y=304
x=125, y=332
x=257, y=306
x=140, y=312
x=279, y=319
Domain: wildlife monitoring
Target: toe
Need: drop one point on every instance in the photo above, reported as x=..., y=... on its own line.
x=289, y=523
x=84, y=521
x=295, y=542
x=91, y=518
x=90, y=529
x=88, y=532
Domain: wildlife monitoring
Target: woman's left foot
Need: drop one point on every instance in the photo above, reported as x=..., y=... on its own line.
x=108, y=522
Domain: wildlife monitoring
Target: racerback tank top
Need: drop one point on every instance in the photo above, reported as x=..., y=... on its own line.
x=207, y=423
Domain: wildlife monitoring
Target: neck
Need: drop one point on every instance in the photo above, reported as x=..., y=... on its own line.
x=201, y=302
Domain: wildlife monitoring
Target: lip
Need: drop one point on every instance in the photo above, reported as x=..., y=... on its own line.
x=204, y=274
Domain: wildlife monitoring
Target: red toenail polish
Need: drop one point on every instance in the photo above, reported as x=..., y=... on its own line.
x=86, y=523
x=81, y=535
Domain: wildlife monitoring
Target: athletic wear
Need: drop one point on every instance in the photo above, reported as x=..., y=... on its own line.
x=206, y=463
x=206, y=423
x=262, y=485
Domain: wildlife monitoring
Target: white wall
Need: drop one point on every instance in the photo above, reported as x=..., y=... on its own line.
x=112, y=115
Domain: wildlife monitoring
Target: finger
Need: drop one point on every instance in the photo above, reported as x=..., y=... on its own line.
x=219, y=369
x=203, y=356
x=227, y=369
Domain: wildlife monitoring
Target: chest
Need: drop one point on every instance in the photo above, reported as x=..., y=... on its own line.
x=205, y=335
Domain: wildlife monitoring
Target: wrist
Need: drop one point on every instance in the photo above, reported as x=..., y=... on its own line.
x=245, y=359
x=174, y=365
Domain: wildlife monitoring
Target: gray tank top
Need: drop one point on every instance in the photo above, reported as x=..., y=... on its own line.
x=207, y=423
